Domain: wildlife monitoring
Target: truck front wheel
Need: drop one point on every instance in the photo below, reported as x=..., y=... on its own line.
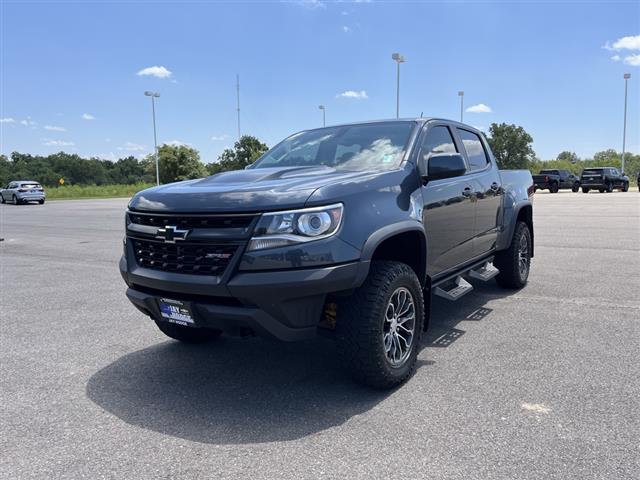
x=514, y=263
x=187, y=334
x=575, y=187
x=380, y=326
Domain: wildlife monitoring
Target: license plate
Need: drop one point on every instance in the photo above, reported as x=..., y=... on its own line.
x=175, y=311
x=33, y=191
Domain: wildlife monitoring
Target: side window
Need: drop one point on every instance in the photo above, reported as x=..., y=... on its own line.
x=438, y=140
x=475, y=151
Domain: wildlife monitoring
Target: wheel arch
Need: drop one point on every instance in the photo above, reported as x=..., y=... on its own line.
x=404, y=241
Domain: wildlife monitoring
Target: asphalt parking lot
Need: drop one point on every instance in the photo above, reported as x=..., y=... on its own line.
x=541, y=383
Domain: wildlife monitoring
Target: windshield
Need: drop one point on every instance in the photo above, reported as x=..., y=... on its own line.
x=350, y=147
x=548, y=172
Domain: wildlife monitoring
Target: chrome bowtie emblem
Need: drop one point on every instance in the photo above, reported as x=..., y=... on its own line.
x=170, y=234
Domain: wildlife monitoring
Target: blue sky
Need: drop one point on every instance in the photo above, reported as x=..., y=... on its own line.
x=553, y=67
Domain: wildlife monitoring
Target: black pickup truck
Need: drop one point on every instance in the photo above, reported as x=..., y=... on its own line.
x=346, y=231
x=605, y=179
x=555, y=180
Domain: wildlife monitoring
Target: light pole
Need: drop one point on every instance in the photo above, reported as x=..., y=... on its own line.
x=461, y=95
x=398, y=59
x=324, y=118
x=153, y=96
x=627, y=76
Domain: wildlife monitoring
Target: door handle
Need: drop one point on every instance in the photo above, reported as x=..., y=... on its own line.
x=467, y=192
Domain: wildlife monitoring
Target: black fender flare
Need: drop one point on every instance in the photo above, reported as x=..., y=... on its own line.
x=507, y=232
x=384, y=233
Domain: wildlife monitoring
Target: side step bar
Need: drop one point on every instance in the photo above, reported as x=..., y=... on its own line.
x=484, y=273
x=456, y=287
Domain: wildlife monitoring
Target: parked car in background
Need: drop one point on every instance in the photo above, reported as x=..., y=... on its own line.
x=347, y=230
x=22, y=191
x=638, y=180
x=555, y=180
x=604, y=179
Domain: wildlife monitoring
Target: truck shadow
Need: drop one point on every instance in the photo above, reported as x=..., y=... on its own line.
x=237, y=391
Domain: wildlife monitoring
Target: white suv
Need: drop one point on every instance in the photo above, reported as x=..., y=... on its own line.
x=22, y=191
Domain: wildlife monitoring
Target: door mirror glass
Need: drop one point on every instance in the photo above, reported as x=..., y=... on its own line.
x=442, y=165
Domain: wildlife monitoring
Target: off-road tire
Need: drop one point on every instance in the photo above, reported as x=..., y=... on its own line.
x=554, y=187
x=585, y=190
x=188, y=334
x=625, y=187
x=361, y=320
x=609, y=188
x=575, y=187
x=508, y=261
x=601, y=190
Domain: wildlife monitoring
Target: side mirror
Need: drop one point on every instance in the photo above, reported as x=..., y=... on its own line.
x=441, y=165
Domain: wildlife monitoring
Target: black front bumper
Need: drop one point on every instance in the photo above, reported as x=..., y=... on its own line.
x=287, y=305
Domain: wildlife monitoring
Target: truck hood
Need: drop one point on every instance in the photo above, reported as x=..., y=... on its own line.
x=253, y=190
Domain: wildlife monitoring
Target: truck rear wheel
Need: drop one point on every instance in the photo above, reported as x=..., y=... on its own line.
x=585, y=190
x=380, y=326
x=575, y=187
x=625, y=187
x=553, y=188
x=514, y=263
x=187, y=334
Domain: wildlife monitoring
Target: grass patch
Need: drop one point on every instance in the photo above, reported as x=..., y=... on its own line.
x=66, y=192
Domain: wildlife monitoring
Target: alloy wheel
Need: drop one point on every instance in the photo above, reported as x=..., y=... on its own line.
x=399, y=327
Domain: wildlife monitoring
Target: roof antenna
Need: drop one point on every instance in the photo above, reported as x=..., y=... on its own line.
x=421, y=114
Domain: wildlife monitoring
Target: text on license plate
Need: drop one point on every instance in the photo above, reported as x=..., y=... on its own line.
x=175, y=311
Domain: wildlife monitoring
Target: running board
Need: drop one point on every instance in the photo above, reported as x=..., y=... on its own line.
x=485, y=273
x=459, y=288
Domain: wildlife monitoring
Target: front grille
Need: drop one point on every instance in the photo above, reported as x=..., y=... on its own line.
x=192, y=221
x=195, y=259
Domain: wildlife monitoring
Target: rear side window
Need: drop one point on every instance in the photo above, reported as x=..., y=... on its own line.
x=475, y=151
x=438, y=140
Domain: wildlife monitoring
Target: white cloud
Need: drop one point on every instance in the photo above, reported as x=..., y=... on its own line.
x=28, y=122
x=7, y=120
x=479, y=108
x=132, y=147
x=219, y=138
x=616, y=58
x=358, y=95
x=177, y=143
x=631, y=42
x=633, y=60
x=53, y=128
x=312, y=3
x=88, y=116
x=58, y=143
x=155, y=71
x=345, y=29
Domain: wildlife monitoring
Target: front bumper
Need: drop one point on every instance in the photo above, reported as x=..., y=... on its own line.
x=287, y=305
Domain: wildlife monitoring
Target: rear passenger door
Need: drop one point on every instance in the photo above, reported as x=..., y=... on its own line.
x=485, y=181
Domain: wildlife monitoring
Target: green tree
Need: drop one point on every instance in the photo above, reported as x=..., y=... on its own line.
x=177, y=163
x=567, y=156
x=245, y=151
x=5, y=171
x=511, y=145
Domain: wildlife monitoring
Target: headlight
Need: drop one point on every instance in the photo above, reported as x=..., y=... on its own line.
x=279, y=229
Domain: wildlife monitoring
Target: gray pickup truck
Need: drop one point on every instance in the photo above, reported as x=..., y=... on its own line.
x=346, y=231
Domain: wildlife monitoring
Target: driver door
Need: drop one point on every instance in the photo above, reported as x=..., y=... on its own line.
x=449, y=209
